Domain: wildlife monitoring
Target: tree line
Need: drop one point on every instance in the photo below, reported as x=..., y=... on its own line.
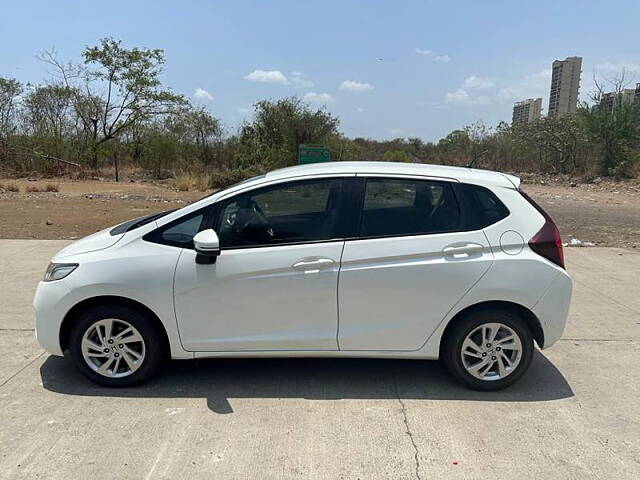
x=112, y=110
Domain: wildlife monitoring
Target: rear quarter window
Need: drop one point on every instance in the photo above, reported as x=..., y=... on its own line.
x=481, y=206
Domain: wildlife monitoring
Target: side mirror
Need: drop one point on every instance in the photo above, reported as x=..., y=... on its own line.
x=207, y=246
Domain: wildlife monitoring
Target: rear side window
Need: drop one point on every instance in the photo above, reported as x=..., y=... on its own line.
x=482, y=207
x=398, y=207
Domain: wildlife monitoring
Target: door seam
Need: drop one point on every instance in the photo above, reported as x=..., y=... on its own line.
x=338, y=297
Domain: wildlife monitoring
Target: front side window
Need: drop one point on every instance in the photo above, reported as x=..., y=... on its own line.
x=397, y=207
x=296, y=212
x=180, y=232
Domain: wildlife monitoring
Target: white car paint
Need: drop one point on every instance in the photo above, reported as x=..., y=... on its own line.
x=382, y=297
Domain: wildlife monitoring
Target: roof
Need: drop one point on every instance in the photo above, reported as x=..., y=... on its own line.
x=462, y=174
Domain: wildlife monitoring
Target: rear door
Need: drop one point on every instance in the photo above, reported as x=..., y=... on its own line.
x=411, y=263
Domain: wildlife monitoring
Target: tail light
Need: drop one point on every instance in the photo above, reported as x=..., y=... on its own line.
x=546, y=242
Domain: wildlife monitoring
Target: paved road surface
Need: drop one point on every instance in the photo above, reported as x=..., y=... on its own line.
x=576, y=414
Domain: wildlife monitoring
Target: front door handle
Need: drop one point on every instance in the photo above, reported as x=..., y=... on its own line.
x=462, y=250
x=313, y=263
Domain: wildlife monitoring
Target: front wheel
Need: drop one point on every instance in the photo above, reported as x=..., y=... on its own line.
x=489, y=349
x=116, y=346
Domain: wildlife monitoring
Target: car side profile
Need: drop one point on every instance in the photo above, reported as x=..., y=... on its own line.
x=346, y=259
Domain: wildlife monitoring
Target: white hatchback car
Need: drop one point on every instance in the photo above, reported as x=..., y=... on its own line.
x=348, y=259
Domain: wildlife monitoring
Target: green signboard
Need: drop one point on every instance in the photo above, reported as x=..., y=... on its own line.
x=308, y=153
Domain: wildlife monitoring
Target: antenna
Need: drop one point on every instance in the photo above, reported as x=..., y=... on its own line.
x=475, y=157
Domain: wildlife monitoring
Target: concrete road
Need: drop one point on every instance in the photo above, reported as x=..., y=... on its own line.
x=576, y=414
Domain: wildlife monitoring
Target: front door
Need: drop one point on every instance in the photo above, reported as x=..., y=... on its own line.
x=274, y=285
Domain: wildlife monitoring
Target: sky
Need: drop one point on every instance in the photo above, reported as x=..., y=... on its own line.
x=387, y=68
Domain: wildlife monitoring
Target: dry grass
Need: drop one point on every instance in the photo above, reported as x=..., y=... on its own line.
x=49, y=187
x=189, y=181
x=10, y=187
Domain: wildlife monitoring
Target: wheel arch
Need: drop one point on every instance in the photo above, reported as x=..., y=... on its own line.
x=521, y=311
x=109, y=300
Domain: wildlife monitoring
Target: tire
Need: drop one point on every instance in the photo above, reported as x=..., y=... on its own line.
x=493, y=378
x=131, y=361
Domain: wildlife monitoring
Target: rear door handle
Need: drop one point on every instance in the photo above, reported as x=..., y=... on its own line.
x=462, y=250
x=313, y=264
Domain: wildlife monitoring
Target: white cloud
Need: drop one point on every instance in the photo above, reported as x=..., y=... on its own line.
x=318, y=98
x=297, y=73
x=359, y=110
x=354, y=86
x=396, y=132
x=267, y=76
x=458, y=96
x=462, y=97
x=478, y=82
x=422, y=51
x=442, y=58
x=244, y=110
x=202, y=94
x=298, y=81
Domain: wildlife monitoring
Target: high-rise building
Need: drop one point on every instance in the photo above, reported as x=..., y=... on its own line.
x=612, y=100
x=526, y=111
x=565, y=85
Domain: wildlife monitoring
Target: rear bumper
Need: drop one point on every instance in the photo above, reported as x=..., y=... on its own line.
x=51, y=303
x=553, y=308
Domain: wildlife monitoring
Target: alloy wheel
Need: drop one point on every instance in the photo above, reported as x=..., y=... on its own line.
x=491, y=351
x=113, y=348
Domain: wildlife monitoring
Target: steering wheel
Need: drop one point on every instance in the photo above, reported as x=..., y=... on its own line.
x=263, y=218
x=240, y=221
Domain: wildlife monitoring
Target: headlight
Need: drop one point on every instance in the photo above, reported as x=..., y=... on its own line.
x=57, y=271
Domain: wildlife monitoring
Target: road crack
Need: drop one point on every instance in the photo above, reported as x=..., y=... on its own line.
x=403, y=410
x=20, y=370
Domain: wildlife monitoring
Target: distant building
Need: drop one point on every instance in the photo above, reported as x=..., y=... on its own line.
x=565, y=86
x=612, y=99
x=526, y=111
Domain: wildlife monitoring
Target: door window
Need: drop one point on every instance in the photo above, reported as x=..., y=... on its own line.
x=398, y=207
x=180, y=232
x=296, y=212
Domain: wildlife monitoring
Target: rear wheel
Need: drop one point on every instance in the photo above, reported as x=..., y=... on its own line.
x=489, y=350
x=116, y=346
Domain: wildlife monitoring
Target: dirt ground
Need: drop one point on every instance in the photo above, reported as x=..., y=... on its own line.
x=606, y=213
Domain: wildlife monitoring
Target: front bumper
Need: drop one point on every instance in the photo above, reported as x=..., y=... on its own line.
x=51, y=303
x=553, y=308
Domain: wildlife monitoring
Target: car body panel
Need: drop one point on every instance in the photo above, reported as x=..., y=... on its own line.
x=395, y=291
x=255, y=299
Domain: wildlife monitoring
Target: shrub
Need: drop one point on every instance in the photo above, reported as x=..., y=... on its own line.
x=229, y=176
x=184, y=182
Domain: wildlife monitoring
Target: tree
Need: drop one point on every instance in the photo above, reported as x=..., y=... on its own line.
x=115, y=88
x=396, y=156
x=558, y=141
x=10, y=90
x=613, y=124
x=272, y=139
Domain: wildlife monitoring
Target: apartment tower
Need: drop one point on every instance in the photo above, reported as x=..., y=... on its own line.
x=565, y=86
x=526, y=111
